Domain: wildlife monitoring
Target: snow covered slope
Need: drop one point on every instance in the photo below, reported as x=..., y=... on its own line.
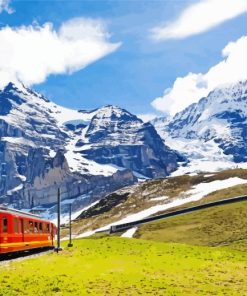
x=119, y=139
x=211, y=133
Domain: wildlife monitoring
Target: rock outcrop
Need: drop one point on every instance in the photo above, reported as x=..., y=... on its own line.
x=118, y=137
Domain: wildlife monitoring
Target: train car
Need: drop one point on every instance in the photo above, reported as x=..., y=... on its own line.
x=20, y=231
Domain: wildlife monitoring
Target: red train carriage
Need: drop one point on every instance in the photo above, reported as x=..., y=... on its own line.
x=23, y=231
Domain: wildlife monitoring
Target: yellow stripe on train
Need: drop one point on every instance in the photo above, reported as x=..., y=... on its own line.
x=24, y=244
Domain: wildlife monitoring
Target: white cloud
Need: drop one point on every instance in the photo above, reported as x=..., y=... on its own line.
x=4, y=6
x=200, y=17
x=189, y=89
x=31, y=53
x=147, y=117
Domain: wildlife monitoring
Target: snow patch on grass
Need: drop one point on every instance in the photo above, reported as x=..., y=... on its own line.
x=158, y=198
x=129, y=233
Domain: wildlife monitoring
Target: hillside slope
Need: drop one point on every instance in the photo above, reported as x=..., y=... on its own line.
x=220, y=226
x=157, y=196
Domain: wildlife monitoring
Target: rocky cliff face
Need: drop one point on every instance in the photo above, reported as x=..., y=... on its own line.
x=44, y=146
x=115, y=136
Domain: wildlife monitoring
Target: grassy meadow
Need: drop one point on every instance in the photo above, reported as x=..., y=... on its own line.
x=219, y=226
x=117, y=266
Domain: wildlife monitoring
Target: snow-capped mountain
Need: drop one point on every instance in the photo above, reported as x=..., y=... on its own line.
x=213, y=130
x=43, y=146
x=115, y=136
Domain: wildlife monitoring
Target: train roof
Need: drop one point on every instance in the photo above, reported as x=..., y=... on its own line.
x=21, y=213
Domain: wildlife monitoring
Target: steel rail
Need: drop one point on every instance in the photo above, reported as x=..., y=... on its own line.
x=21, y=255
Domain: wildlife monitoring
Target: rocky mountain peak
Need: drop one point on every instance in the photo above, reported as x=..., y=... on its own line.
x=15, y=87
x=10, y=87
x=114, y=113
x=112, y=124
x=117, y=137
x=222, y=106
x=17, y=93
x=216, y=125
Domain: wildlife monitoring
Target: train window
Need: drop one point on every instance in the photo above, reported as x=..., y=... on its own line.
x=40, y=227
x=48, y=228
x=5, y=224
x=31, y=226
x=35, y=226
x=16, y=225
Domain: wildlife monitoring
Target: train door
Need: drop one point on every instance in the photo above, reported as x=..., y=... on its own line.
x=22, y=229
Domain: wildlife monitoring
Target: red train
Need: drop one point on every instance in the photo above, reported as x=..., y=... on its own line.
x=21, y=231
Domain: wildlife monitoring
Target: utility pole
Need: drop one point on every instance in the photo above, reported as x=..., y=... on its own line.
x=58, y=220
x=70, y=226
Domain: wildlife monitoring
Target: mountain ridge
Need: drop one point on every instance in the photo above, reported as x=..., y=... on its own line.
x=44, y=145
x=213, y=129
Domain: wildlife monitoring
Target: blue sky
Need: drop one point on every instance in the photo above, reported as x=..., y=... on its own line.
x=140, y=69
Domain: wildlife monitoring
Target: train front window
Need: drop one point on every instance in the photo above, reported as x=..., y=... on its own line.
x=5, y=224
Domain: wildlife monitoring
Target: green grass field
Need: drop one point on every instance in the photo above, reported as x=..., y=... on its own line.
x=220, y=226
x=117, y=266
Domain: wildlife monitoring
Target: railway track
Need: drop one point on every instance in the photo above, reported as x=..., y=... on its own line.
x=19, y=256
x=126, y=226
